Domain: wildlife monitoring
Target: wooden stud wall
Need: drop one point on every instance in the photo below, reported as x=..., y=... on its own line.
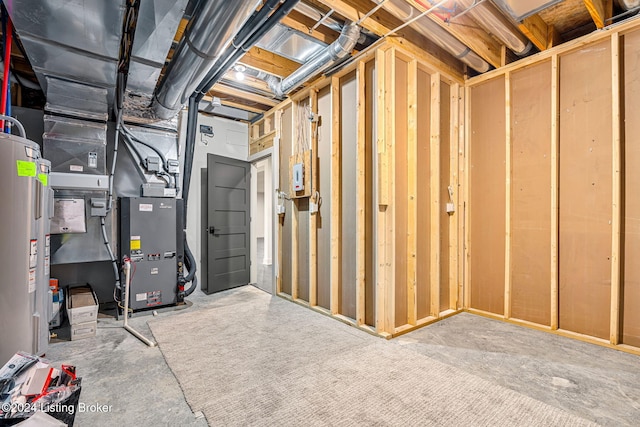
x=382, y=170
x=570, y=210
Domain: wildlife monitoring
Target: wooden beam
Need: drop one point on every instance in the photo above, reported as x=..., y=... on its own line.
x=467, y=31
x=616, y=214
x=276, y=166
x=454, y=138
x=412, y=192
x=303, y=24
x=295, y=209
x=555, y=200
x=467, y=191
x=507, y=200
x=336, y=199
x=313, y=220
x=390, y=218
x=269, y=62
x=249, y=96
x=234, y=104
x=434, y=168
x=541, y=34
x=382, y=190
x=361, y=251
x=600, y=11
x=383, y=22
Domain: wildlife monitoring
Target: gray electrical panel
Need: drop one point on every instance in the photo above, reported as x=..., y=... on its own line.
x=148, y=236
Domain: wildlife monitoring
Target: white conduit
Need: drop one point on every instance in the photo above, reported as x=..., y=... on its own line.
x=127, y=275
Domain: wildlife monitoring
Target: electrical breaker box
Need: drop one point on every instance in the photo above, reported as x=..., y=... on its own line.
x=148, y=236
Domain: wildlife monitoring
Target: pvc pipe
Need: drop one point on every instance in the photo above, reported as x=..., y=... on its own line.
x=127, y=275
x=5, y=74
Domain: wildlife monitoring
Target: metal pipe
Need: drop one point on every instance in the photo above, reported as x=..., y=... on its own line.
x=207, y=36
x=337, y=50
x=321, y=21
x=316, y=15
x=15, y=122
x=5, y=74
x=495, y=23
x=127, y=281
x=437, y=34
x=233, y=55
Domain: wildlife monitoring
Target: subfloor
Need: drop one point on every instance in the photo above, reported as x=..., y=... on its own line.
x=595, y=383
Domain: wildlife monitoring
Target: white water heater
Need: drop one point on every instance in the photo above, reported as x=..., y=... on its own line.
x=22, y=227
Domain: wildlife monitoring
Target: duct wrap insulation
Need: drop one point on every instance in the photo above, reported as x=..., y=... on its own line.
x=208, y=34
x=435, y=33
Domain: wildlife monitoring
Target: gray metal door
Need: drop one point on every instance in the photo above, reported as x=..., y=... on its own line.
x=228, y=223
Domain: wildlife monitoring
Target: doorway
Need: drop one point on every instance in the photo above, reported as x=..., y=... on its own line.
x=262, y=194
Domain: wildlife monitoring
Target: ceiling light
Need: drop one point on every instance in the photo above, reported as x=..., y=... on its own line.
x=240, y=69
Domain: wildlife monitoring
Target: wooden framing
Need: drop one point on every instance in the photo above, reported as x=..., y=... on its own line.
x=435, y=195
x=616, y=206
x=388, y=157
x=360, y=203
x=613, y=338
x=336, y=199
x=313, y=220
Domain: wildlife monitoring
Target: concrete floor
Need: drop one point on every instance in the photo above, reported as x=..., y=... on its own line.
x=596, y=383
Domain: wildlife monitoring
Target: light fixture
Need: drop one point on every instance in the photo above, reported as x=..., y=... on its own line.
x=240, y=69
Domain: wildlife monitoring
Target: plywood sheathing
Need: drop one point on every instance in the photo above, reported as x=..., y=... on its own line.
x=585, y=190
x=487, y=197
x=531, y=193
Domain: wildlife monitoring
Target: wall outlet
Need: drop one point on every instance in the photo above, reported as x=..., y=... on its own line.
x=451, y=208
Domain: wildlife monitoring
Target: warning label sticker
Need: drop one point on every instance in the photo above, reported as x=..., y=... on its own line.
x=33, y=253
x=47, y=245
x=47, y=267
x=145, y=207
x=141, y=297
x=135, y=245
x=32, y=280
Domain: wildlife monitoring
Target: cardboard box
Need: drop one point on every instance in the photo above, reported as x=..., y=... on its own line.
x=82, y=305
x=83, y=330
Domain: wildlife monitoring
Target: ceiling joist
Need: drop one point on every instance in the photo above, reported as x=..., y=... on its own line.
x=600, y=11
x=304, y=24
x=269, y=62
x=541, y=34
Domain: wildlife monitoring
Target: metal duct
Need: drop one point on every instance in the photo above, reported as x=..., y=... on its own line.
x=156, y=26
x=208, y=34
x=435, y=33
x=628, y=4
x=337, y=50
x=495, y=23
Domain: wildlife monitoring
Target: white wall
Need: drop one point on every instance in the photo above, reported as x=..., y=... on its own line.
x=231, y=139
x=259, y=215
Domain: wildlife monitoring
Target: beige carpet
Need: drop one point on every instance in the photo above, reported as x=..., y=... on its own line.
x=246, y=358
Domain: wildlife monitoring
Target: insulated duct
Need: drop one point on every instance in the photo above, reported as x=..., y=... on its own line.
x=495, y=23
x=435, y=33
x=628, y=4
x=319, y=63
x=207, y=35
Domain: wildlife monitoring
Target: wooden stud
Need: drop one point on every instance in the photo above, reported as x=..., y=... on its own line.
x=313, y=220
x=616, y=214
x=278, y=116
x=434, y=167
x=453, y=179
x=390, y=129
x=538, y=31
x=507, y=200
x=269, y=62
x=361, y=200
x=555, y=201
x=412, y=192
x=467, y=208
x=336, y=199
x=295, y=232
x=382, y=191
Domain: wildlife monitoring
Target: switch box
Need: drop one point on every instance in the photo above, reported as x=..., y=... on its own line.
x=98, y=207
x=298, y=177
